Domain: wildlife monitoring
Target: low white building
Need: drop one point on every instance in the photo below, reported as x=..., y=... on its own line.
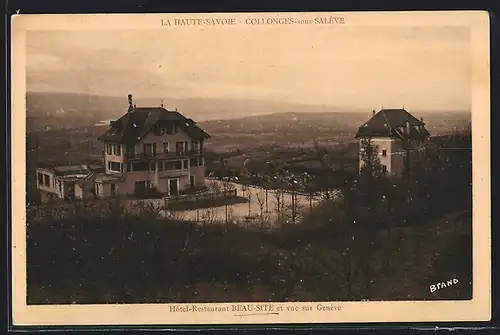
x=67, y=182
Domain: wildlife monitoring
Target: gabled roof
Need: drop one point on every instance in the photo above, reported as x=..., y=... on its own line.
x=134, y=125
x=392, y=123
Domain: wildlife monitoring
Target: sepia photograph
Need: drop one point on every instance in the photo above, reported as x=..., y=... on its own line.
x=253, y=164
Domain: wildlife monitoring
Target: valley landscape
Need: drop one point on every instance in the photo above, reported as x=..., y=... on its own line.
x=271, y=130
x=245, y=147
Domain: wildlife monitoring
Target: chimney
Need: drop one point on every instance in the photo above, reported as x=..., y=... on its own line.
x=373, y=112
x=407, y=128
x=130, y=105
x=161, y=104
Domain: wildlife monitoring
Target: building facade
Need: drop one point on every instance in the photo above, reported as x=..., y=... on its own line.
x=151, y=151
x=399, y=138
x=68, y=182
x=148, y=152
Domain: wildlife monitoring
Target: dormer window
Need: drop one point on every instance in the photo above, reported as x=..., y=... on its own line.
x=195, y=146
x=168, y=129
x=109, y=149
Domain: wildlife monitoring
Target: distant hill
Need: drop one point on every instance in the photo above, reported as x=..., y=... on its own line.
x=69, y=110
x=64, y=104
x=58, y=110
x=346, y=121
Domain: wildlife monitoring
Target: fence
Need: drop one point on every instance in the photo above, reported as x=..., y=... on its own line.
x=201, y=196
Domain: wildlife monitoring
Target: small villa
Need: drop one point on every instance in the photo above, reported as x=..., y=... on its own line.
x=399, y=137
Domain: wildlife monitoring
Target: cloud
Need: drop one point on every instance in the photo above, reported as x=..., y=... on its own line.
x=349, y=66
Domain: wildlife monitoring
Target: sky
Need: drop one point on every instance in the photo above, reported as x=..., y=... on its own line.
x=361, y=67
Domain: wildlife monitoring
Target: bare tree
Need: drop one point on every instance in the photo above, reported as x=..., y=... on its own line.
x=278, y=194
x=214, y=186
x=171, y=213
x=294, y=200
x=296, y=207
x=261, y=200
x=328, y=163
x=249, y=197
x=209, y=215
x=229, y=215
x=227, y=187
x=244, y=189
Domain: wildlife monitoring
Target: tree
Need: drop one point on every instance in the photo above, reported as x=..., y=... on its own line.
x=372, y=176
x=371, y=169
x=260, y=197
x=227, y=187
x=326, y=176
x=249, y=196
x=278, y=194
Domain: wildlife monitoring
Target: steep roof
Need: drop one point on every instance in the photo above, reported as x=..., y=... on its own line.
x=134, y=125
x=392, y=123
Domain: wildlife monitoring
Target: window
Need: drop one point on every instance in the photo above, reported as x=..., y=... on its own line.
x=200, y=161
x=179, y=148
x=160, y=166
x=167, y=129
x=160, y=130
x=148, y=149
x=140, y=166
x=195, y=147
x=194, y=162
x=115, y=166
x=152, y=166
x=109, y=165
x=118, y=149
x=130, y=150
x=165, y=147
x=173, y=165
x=384, y=152
x=108, y=149
x=40, y=179
x=185, y=164
x=98, y=188
x=46, y=180
x=60, y=186
x=384, y=168
x=129, y=167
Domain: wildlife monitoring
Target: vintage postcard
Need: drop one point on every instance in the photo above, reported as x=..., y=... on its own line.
x=250, y=168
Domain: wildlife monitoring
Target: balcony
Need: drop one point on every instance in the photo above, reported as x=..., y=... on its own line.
x=162, y=155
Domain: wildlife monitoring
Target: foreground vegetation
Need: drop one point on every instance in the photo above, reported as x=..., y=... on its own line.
x=381, y=240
